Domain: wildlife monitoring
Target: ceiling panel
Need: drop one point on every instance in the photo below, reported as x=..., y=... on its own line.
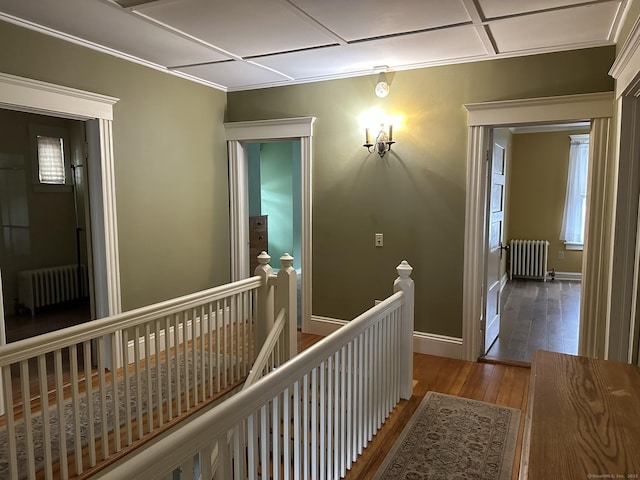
x=313, y=40
x=583, y=25
x=114, y=28
x=235, y=75
x=357, y=19
x=359, y=58
x=500, y=8
x=243, y=27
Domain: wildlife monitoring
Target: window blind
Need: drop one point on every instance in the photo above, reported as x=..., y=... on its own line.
x=51, y=160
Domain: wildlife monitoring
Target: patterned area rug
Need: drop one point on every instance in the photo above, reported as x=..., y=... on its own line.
x=69, y=439
x=454, y=438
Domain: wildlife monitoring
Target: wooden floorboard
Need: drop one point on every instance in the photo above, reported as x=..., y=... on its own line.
x=495, y=383
x=504, y=385
x=537, y=315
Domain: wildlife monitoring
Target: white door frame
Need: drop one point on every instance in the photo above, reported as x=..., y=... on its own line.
x=27, y=95
x=238, y=135
x=623, y=340
x=482, y=118
x=33, y=96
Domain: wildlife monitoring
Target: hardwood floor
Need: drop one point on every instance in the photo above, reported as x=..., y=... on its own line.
x=506, y=385
x=500, y=384
x=537, y=315
x=46, y=319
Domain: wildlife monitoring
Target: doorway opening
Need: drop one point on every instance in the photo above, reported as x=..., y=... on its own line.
x=596, y=108
x=274, y=173
x=540, y=272
x=240, y=135
x=46, y=244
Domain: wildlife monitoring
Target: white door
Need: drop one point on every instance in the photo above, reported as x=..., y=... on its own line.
x=495, y=232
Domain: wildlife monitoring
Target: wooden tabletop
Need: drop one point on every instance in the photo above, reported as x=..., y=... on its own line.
x=583, y=419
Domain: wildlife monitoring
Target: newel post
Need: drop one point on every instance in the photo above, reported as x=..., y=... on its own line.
x=264, y=313
x=286, y=297
x=405, y=284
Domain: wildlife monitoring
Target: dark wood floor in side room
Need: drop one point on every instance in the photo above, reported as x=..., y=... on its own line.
x=537, y=315
x=46, y=319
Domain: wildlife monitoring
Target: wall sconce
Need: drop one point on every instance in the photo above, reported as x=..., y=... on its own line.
x=382, y=143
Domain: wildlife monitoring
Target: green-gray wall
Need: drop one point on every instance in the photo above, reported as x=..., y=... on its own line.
x=416, y=194
x=170, y=155
x=171, y=169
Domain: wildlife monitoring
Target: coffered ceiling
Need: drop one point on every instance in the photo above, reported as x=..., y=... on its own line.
x=246, y=44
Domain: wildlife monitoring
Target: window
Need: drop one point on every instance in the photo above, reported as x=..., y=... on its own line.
x=575, y=205
x=51, y=160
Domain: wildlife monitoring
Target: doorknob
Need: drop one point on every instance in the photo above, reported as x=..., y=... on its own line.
x=502, y=247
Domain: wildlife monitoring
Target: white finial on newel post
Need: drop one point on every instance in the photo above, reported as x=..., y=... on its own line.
x=264, y=311
x=286, y=297
x=404, y=283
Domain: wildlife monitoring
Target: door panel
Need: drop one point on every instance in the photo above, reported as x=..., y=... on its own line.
x=495, y=240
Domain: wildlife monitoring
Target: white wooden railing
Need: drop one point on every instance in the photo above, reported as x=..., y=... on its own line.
x=117, y=381
x=308, y=419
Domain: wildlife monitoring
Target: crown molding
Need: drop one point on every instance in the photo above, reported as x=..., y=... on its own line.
x=544, y=110
x=102, y=49
x=270, y=129
x=27, y=94
x=627, y=63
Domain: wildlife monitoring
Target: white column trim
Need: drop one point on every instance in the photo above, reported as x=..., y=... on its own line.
x=626, y=66
x=237, y=135
x=597, y=259
x=623, y=324
x=482, y=117
x=238, y=205
x=474, y=243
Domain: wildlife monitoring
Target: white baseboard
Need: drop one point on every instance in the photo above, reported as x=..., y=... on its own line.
x=503, y=281
x=224, y=321
x=427, y=343
x=574, y=276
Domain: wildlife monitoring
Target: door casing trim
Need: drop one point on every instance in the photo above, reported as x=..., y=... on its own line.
x=238, y=134
x=481, y=119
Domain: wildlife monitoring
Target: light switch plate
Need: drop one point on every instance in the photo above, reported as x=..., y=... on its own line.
x=379, y=240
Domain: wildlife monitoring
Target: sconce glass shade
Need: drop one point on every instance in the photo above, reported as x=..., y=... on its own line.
x=382, y=89
x=382, y=143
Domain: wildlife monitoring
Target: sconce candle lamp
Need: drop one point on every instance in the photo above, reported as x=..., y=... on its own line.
x=382, y=143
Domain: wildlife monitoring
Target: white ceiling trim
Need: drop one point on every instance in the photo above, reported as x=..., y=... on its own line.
x=627, y=64
x=202, y=42
x=102, y=49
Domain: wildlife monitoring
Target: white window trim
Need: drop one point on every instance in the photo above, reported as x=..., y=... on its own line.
x=576, y=140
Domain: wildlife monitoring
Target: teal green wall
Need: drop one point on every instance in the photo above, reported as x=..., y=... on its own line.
x=296, y=175
x=253, y=169
x=275, y=191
